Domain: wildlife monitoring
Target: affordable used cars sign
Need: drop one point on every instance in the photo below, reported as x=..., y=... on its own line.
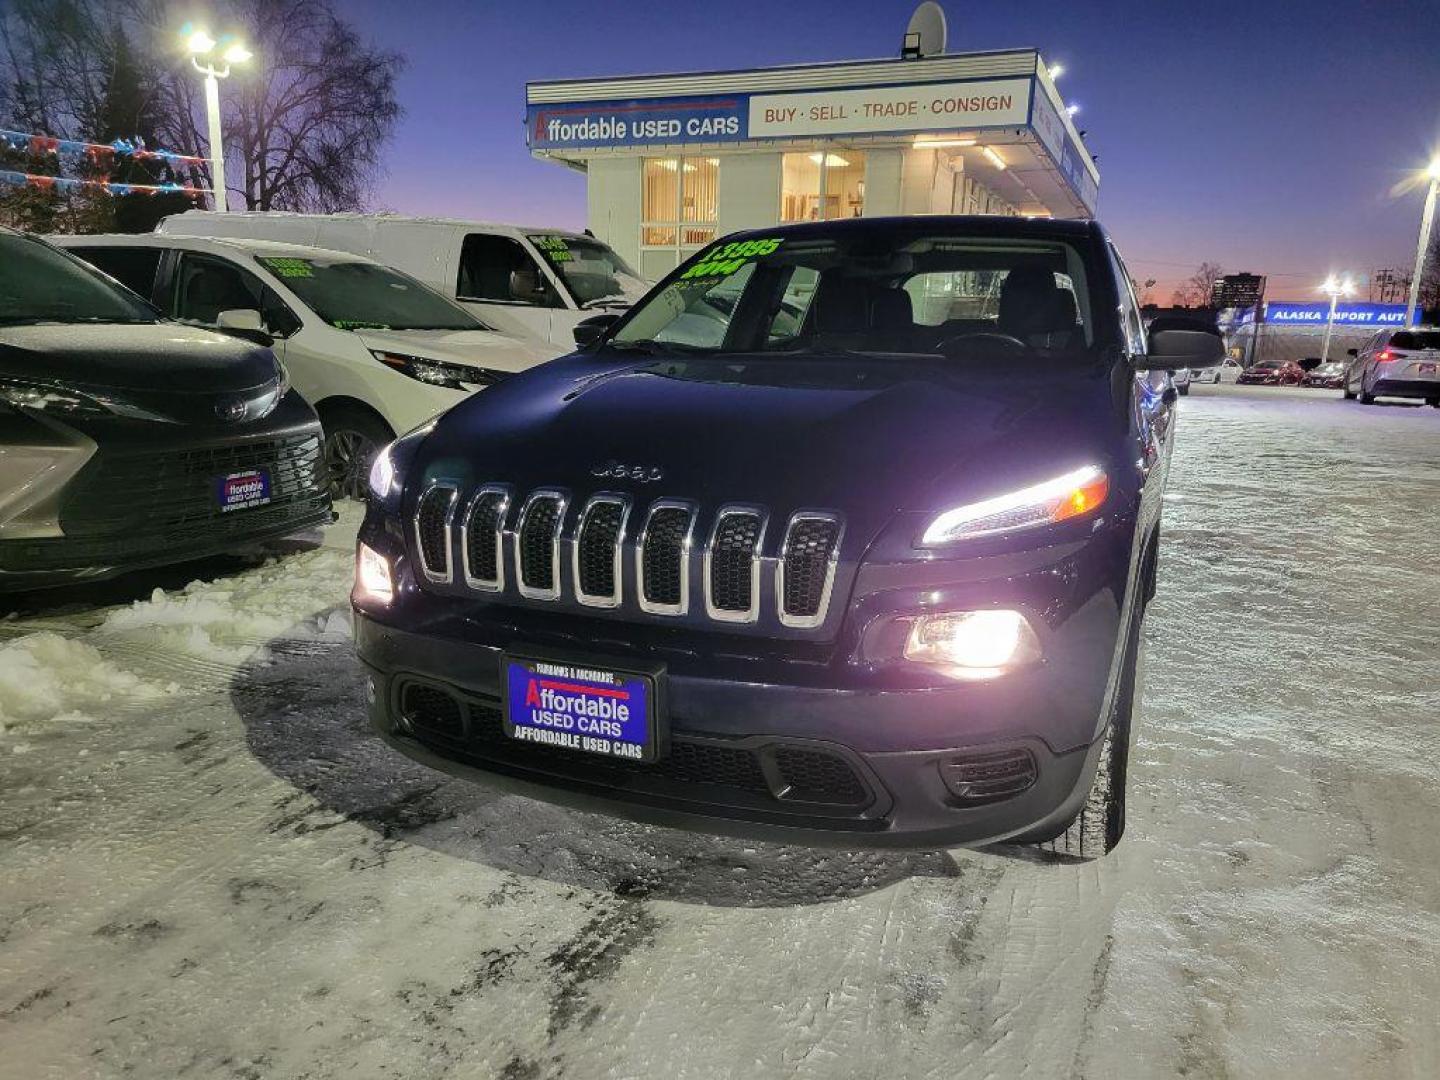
x=733, y=117
x=637, y=123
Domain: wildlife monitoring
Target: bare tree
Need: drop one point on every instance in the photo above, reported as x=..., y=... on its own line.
x=305, y=122
x=1199, y=288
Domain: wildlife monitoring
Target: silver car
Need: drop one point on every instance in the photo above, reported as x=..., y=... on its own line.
x=1396, y=363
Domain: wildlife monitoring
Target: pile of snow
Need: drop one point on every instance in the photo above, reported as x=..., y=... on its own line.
x=303, y=596
x=46, y=678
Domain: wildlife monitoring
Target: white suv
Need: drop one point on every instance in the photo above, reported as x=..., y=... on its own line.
x=375, y=351
x=531, y=282
x=1396, y=363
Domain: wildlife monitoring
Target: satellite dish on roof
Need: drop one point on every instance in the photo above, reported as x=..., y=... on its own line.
x=925, y=36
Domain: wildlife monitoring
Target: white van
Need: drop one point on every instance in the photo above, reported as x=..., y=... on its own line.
x=534, y=282
x=376, y=352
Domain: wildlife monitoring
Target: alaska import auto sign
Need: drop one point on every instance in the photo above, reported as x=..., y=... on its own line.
x=725, y=118
x=1316, y=313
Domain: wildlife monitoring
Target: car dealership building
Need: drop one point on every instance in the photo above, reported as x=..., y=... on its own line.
x=673, y=161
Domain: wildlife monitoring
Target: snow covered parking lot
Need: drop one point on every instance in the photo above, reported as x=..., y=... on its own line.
x=209, y=869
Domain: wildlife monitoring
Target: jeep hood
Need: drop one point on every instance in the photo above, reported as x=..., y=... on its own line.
x=866, y=438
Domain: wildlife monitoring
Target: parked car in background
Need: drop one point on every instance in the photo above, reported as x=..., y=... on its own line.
x=1396, y=363
x=374, y=350
x=532, y=282
x=1330, y=375
x=852, y=571
x=127, y=441
x=1272, y=373
x=1182, y=377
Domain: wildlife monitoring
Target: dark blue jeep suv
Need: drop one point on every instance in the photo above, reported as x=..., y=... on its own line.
x=842, y=535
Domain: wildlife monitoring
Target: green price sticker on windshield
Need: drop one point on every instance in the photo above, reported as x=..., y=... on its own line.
x=724, y=260
x=289, y=268
x=553, y=248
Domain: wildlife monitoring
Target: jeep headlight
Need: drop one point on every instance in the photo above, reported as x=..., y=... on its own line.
x=1070, y=496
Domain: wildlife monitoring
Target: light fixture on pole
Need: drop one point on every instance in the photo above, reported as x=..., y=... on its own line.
x=1333, y=288
x=205, y=52
x=1427, y=219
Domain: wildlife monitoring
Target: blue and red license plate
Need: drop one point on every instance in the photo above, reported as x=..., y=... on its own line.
x=240, y=490
x=579, y=706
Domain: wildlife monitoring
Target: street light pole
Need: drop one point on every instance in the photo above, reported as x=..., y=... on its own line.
x=1335, y=290
x=1427, y=218
x=202, y=45
x=217, y=151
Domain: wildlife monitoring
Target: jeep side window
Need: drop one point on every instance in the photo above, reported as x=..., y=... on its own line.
x=498, y=269
x=1131, y=324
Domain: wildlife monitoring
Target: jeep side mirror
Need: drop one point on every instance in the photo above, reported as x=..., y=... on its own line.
x=1171, y=350
x=589, y=331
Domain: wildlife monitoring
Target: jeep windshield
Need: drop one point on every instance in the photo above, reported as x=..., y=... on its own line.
x=872, y=292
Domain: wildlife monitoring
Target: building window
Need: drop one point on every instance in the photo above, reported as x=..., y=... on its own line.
x=678, y=210
x=822, y=186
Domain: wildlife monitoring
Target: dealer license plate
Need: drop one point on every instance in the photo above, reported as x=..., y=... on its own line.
x=240, y=490
x=580, y=706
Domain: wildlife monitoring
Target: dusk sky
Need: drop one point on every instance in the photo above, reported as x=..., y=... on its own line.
x=1264, y=136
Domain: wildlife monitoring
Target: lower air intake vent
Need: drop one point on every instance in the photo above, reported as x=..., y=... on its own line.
x=732, y=572
x=432, y=531
x=985, y=777
x=536, y=542
x=807, y=568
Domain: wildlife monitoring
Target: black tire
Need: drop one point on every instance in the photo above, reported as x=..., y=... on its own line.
x=1433, y=402
x=1346, y=392
x=1184, y=390
x=1365, y=399
x=353, y=436
x=1100, y=823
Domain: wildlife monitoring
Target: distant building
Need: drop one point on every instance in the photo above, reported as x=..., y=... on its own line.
x=1238, y=291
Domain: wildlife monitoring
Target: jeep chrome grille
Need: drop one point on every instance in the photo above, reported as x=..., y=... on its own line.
x=482, y=539
x=611, y=552
x=806, y=572
x=433, y=515
x=598, y=540
x=732, y=565
x=537, y=537
x=662, y=559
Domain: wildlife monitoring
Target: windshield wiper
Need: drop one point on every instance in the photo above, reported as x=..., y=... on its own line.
x=611, y=300
x=651, y=347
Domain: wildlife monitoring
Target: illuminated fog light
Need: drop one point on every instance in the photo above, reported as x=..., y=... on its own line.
x=372, y=576
x=973, y=644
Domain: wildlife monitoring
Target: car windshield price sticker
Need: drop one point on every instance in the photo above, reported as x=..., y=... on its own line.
x=593, y=711
x=553, y=248
x=288, y=268
x=724, y=260
x=243, y=489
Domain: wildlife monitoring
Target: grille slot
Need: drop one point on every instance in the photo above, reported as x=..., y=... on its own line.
x=806, y=572
x=818, y=777
x=598, y=539
x=537, y=539
x=482, y=539
x=732, y=565
x=983, y=778
x=432, y=531
x=662, y=559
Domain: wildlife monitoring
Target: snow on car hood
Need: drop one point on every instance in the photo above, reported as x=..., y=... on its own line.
x=482, y=348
